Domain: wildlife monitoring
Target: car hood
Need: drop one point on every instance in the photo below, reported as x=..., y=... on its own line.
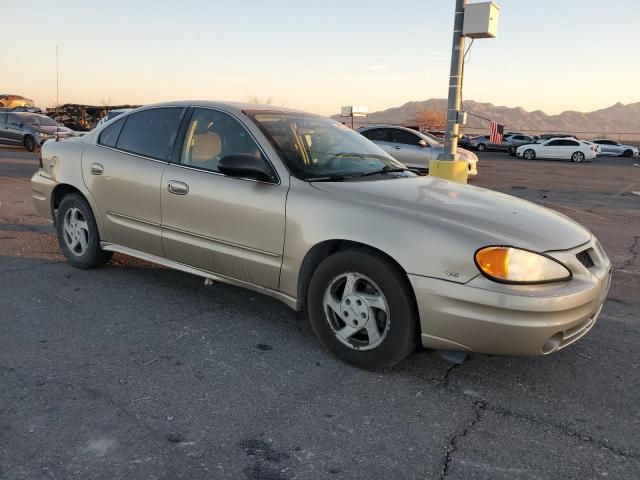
x=484, y=216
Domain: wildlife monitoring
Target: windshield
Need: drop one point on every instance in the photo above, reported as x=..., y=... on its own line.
x=320, y=147
x=39, y=121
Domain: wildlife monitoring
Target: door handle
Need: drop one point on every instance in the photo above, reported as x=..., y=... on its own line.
x=96, y=169
x=177, y=188
x=396, y=147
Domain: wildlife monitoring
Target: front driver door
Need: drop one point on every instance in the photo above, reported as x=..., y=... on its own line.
x=407, y=149
x=229, y=226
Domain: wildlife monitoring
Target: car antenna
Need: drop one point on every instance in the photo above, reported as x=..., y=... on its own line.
x=57, y=94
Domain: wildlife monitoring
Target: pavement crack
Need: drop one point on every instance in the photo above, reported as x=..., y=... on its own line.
x=633, y=251
x=445, y=378
x=564, y=429
x=478, y=408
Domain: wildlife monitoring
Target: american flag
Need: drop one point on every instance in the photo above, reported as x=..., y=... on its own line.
x=496, y=132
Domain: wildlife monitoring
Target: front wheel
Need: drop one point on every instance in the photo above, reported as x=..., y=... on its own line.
x=481, y=147
x=29, y=143
x=362, y=309
x=512, y=151
x=577, y=157
x=529, y=154
x=628, y=153
x=78, y=233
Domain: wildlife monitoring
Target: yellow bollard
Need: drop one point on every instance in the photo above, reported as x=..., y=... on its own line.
x=458, y=171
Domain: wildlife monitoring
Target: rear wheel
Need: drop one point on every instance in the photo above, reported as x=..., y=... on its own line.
x=362, y=309
x=628, y=153
x=481, y=147
x=529, y=154
x=78, y=233
x=577, y=157
x=512, y=151
x=29, y=143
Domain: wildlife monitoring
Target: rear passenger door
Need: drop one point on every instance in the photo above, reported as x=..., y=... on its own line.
x=123, y=171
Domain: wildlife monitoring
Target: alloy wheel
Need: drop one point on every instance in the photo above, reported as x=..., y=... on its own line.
x=577, y=157
x=75, y=231
x=357, y=311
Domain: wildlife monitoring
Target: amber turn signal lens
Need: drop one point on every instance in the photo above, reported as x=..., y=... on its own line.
x=494, y=261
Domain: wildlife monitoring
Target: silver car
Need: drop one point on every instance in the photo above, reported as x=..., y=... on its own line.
x=304, y=209
x=613, y=148
x=411, y=147
x=30, y=130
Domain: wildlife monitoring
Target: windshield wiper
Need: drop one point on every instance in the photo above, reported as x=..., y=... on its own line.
x=386, y=169
x=328, y=178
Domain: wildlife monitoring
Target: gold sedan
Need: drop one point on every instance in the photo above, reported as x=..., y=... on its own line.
x=304, y=209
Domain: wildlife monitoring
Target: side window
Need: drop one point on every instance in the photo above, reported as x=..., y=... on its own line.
x=571, y=143
x=212, y=135
x=13, y=119
x=150, y=133
x=406, y=138
x=377, y=134
x=109, y=136
x=3, y=118
x=554, y=143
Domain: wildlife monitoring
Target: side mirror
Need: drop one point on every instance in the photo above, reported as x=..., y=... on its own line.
x=245, y=166
x=423, y=143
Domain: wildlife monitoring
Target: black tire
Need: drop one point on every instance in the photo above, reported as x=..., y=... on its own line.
x=628, y=153
x=29, y=143
x=529, y=154
x=402, y=334
x=94, y=256
x=577, y=157
x=481, y=147
x=512, y=151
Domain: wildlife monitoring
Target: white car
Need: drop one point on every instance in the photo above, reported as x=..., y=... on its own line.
x=611, y=147
x=558, y=148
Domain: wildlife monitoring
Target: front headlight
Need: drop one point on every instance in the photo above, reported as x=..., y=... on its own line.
x=45, y=134
x=514, y=265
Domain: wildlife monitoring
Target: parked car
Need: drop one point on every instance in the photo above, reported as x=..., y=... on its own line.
x=112, y=114
x=558, y=148
x=304, y=209
x=412, y=148
x=30, y=129
x=611, y=147
x=483, y=142
x=515, y=140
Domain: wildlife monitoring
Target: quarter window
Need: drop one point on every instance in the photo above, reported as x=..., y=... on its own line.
x=150, y=133
x=212, y=135
x=109, y=136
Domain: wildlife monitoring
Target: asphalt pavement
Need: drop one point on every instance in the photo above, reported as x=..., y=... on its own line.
x=136, y=371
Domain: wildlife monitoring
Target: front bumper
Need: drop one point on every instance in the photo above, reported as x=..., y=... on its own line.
x=41, y=192
x=486, y=317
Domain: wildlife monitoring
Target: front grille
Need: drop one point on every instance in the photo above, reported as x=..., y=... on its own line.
x=585, y=259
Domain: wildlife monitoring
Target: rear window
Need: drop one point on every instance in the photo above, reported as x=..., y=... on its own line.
x=150, y=133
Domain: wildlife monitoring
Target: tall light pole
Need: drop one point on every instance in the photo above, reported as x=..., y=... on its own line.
x=454, y=104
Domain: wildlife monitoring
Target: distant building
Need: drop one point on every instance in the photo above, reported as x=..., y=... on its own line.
x=11, y=101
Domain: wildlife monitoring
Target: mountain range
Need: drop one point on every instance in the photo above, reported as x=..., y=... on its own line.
x=618, y=118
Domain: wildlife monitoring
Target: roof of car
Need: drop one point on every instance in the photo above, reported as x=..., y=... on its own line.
x=237, y=106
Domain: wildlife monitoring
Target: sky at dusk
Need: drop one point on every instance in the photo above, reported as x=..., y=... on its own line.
x=317, y=56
